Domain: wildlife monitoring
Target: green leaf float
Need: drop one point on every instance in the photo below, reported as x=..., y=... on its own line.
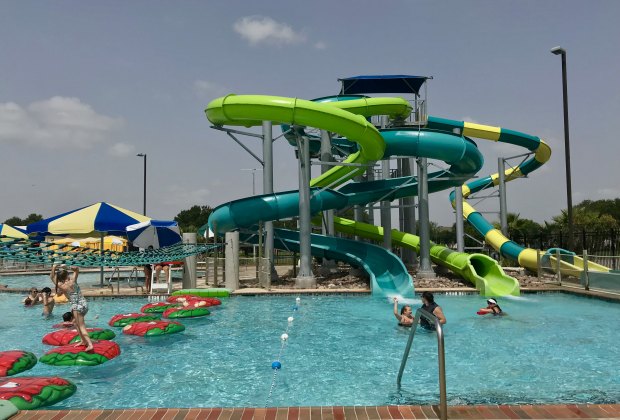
x=157, y=307
x=153, y=328
x=30, y=393
x=72, y=355
x=121, y=320
x=186, y=312
x=13, y=362
x=64, y=337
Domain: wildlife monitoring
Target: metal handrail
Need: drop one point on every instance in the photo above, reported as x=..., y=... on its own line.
x=443, y=404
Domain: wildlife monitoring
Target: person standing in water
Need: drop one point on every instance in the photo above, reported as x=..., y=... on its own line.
x=430, y=306
x=48, y=301
x=79, y=307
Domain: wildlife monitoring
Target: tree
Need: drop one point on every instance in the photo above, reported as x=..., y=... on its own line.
x=16, y=221
x=192, y=219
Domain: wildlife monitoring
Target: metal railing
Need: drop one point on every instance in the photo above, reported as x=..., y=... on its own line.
x=441, y=356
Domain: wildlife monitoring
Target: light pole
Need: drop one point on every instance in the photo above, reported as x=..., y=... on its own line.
x=143, y=155
x=569, y=193
x=253, y=170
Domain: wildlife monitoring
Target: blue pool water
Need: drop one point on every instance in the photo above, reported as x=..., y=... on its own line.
x=344, y=350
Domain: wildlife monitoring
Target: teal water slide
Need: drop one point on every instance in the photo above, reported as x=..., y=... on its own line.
x=347, y=118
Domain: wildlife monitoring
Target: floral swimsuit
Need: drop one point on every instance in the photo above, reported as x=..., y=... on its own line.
x=78, y=303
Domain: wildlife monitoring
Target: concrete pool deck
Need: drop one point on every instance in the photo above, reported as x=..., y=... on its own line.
x=486, y=412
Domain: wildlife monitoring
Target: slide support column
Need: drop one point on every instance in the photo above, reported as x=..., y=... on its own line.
x=409, y=255
x=458, y=207
x=425, y=270
x=327, y=224
x=268, y=189
x=232, y=260
x=305, y=279
x=386, y=211
x=503, y=210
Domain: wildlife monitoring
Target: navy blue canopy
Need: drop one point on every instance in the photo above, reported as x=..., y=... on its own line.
x=397, y=83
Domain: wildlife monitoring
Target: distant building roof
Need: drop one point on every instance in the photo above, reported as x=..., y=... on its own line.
x=397, y=83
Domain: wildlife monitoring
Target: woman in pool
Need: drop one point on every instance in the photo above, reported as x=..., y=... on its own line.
x=492, y=308
x=32, y=298
x=430, y=306
x=405, y=318
x=79, y=307
x=48, y=301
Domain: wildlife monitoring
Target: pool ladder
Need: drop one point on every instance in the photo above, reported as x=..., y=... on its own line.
x=441, y=356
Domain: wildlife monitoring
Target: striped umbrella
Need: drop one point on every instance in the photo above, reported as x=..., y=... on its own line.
x=11, y=232
x=99, y=218
x=102, y=218
x=155, y=233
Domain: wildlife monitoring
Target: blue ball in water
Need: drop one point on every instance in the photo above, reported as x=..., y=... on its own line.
x=276, y=365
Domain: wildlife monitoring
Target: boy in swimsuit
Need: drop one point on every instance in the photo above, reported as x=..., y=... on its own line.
x=79, y=307
x=48, y=301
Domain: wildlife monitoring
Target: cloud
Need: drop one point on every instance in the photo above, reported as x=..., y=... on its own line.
x=121, y=150
x=320, y=45
x=57, y=122
x=264, y=30
x=185, y=197
x=204, y=88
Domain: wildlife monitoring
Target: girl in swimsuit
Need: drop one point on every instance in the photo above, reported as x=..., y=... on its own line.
x=67, y=285
x=405, y=318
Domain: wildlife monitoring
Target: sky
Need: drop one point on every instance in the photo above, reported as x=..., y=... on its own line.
x=85, y=86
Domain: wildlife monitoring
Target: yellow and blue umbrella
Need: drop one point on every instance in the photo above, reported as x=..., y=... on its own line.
x=11, y=232
x=102, y=218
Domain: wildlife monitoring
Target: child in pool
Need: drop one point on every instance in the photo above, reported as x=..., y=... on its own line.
x=48, y=301
x=67, y=285
x=32, y=297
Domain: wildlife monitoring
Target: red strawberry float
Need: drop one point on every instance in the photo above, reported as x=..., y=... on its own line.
x=13, y=362
x=121, y=320
x=30, y=393
x=153, y=328
x=64, y=337
x=72, y=355
x=157, y=307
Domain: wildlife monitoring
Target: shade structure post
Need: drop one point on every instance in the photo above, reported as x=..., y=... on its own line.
x=189, y=268
x=101, y=272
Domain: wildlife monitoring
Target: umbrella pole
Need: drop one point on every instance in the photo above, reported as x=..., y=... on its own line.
x=101, y=271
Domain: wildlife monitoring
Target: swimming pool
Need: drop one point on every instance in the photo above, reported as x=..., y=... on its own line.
x=344, y=350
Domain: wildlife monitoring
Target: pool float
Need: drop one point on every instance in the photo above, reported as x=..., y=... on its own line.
x=153, y=328
x=186, y=312
x=13, y=362
x=121, y=320
x=60, y=299
x=213, y=292
x=64, y=337
x=70, y=355
x=157, y=307
x=32, y=392
x=188, y=298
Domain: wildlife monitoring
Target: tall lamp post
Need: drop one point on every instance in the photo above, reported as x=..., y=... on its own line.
x=569, y=193
x=143, y=155
x=253, y=170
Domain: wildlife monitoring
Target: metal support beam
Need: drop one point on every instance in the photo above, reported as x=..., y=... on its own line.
x=503, y=209
x=458, y=207
x=386, y=211
x=425, y=270
x=328, y=266
x=268, y=189
x=370, y=176
x=305, y=278
x=408, y=209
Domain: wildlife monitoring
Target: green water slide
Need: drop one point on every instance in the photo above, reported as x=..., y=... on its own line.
x=340, y=117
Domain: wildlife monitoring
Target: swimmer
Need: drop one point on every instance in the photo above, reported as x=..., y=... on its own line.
x=79, y=306
x=32, y=297
x=492, y=308
x=48, y=301
x=430, y=306
x=405, y=318
x=67, y=320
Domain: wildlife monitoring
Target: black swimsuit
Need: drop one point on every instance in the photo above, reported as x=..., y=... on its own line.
x=424, y=323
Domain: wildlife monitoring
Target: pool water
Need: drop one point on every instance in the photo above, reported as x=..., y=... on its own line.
x=343, y=350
